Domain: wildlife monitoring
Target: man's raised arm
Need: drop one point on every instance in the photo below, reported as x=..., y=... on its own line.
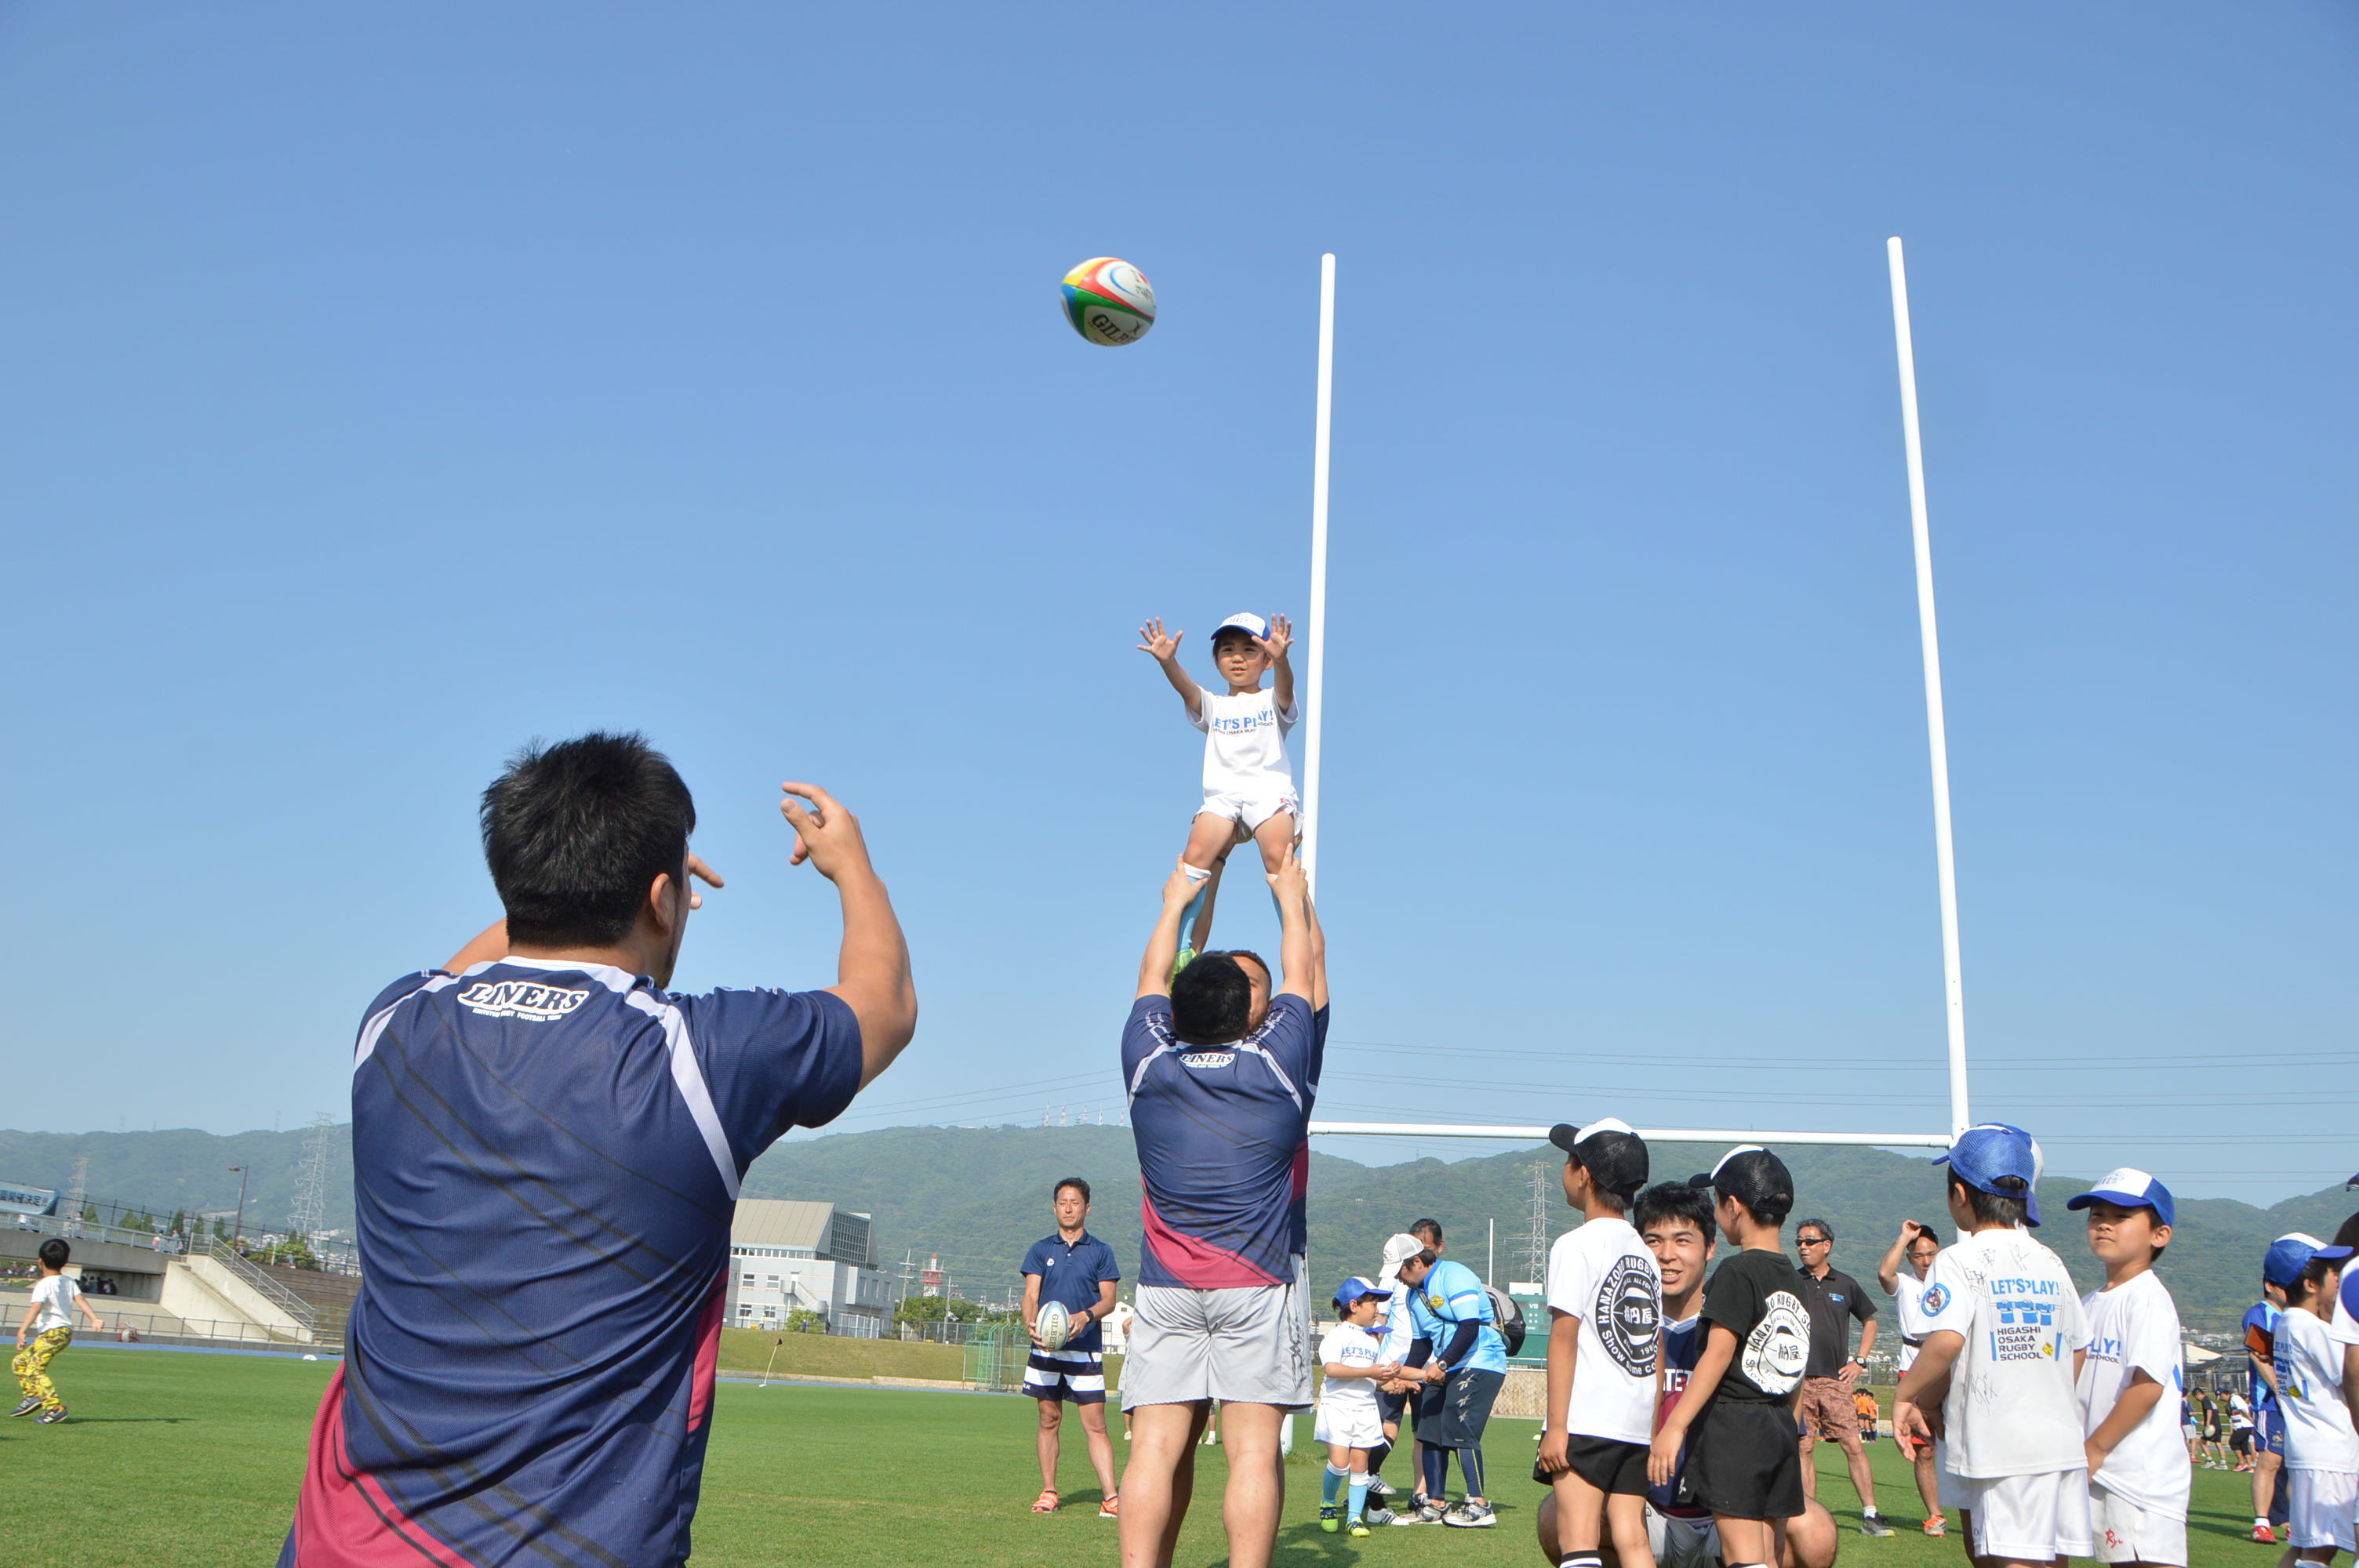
x=873, y=969
x=1163, y=947
x=1299, y=948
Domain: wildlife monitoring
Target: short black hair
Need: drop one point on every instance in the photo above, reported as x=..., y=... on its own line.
x=2348, y=1236
x=1822, y=1224
x=54, y=1253
x=2314, y=1273
x=1925, y=1233
x=1075, y=1183
x=1615, y=1161
x=1760, y=1182
x=1226, y=632
x=1425, y=1256
x=1212, y=1001
x=1995, y=1208
x=1677, y=1200
x=575, y=832
x=1431, y=1229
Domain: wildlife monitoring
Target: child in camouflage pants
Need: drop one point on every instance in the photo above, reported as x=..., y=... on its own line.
x=49, y=1321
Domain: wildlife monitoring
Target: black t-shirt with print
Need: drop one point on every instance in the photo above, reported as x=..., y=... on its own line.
x=1758, y=1296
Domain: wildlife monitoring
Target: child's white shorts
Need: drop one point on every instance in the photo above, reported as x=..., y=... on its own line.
x=1253, y=810
x=2323, y=1502
x=1950, y=1491
x=2128, y=1533
x=1354, y=1426
x=2031, y=1519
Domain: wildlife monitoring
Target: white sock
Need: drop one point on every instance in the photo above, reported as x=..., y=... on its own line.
x=1195, y=875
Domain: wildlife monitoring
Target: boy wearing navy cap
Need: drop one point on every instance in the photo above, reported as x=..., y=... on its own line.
x=2132, y=1378
x=2314, y=1393
x=2003, y=1320
x=1744, y=1461
x=1348, y=1421
x=1606, y=1311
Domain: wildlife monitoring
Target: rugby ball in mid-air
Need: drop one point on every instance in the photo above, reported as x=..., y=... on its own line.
x=1054, y=1325
x=1109, y=301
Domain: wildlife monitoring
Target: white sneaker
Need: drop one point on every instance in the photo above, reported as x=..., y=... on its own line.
x=1471, y=1515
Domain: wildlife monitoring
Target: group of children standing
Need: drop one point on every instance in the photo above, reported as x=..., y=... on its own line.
x=2054, y=1419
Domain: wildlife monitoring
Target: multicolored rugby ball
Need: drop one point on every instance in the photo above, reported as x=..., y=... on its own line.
x=1109, y=302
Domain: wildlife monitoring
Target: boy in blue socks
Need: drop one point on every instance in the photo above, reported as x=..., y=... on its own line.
x=1349, y=1423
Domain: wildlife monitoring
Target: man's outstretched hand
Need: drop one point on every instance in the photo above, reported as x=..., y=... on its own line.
x=826, y=833
x=1290, y=882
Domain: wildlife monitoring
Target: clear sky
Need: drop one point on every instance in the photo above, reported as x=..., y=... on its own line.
x=381, y=387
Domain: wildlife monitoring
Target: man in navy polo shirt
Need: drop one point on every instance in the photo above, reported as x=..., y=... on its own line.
x=1222, y=1077
x=1077, y=1271
x=547, y=1148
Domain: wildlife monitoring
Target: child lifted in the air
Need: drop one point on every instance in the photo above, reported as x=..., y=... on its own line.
x=1248, y=785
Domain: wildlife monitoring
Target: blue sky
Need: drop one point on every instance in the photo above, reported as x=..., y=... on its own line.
x=387, y=387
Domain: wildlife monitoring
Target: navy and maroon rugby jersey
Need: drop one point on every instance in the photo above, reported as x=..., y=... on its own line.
x=1222, y=1147
x=546, y=1160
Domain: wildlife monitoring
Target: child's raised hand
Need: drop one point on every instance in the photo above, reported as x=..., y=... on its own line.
x=1158, y=641
x=1280, y=638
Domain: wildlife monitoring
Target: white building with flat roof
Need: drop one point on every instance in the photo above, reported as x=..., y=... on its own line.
x=810, y=1256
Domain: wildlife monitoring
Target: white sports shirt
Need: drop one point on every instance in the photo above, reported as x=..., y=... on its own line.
x=52, y=1306
x=2011, y=1410
x=1908, y=1299
x=2318, y=1431
x=1351, y=1346
x=2135, y=1328
x=1602, y=1275
x=1245, y=744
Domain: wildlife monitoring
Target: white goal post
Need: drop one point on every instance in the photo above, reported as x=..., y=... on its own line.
x=1936, y=735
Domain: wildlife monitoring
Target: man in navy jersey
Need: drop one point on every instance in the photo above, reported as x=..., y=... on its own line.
x=1221, y=1075
x=1676, y=1222
x=547, y=1147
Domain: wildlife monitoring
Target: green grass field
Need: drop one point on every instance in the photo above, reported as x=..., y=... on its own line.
x=187, y=1461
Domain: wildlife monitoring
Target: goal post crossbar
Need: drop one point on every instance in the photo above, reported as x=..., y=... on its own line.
x=1652, y=1134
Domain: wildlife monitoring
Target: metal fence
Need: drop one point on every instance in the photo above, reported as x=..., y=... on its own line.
x=160, y=1328
x=995, y=1354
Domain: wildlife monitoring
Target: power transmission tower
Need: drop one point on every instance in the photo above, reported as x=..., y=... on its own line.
x=1536, y=1241
x=310, y=1216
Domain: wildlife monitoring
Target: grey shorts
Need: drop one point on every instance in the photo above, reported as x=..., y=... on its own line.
x=1250, y=1344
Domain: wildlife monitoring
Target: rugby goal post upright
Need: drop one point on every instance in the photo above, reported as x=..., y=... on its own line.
x=1938, y=739
x=1314, y=694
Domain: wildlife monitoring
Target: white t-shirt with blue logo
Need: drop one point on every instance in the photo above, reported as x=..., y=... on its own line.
x=1348, y=1345
x=1245, y=744
x=2012, y=1409
x=2318, y=1431
x=2134, y=1328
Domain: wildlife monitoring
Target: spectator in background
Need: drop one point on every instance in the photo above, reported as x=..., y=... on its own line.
x=1834, y=1297
x=2272, y=1509
x=1077, y=1271
x=1916, y=1246
x=1870, y=1415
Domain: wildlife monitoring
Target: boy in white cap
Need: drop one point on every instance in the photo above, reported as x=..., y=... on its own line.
x=2131, y=1377
x=1249, y=784
x=1348, y=1422
x=2313, y=1395
x=2004, y=1340
x=1606, y=1311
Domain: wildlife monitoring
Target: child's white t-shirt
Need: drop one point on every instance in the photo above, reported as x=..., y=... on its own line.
x=2135, y=1328
x=2011, y=1299
x=2318, y=1431
x=1600, y=1274
x=53, y=1300
x=1350, y=1346
x=1245, y=744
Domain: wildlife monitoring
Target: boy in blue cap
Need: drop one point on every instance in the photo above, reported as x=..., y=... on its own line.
x=2314, y=1372
x=2132, y=1377
x=2003, y=1320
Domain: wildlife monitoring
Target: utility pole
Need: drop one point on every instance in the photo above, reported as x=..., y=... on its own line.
x=237, y=1227
x=78, y=1198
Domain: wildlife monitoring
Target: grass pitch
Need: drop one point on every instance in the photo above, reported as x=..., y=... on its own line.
x=192, y=1461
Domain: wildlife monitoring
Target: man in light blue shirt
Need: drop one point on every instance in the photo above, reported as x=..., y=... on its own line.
x=1451, y=1307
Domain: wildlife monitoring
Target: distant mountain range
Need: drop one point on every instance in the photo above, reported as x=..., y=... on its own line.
x=977, y=1197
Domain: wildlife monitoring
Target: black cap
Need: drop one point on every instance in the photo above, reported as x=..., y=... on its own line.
x=1609, y=1149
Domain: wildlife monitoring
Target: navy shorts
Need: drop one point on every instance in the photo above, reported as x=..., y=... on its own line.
x=2269, y=1433
x=1463, y=1410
